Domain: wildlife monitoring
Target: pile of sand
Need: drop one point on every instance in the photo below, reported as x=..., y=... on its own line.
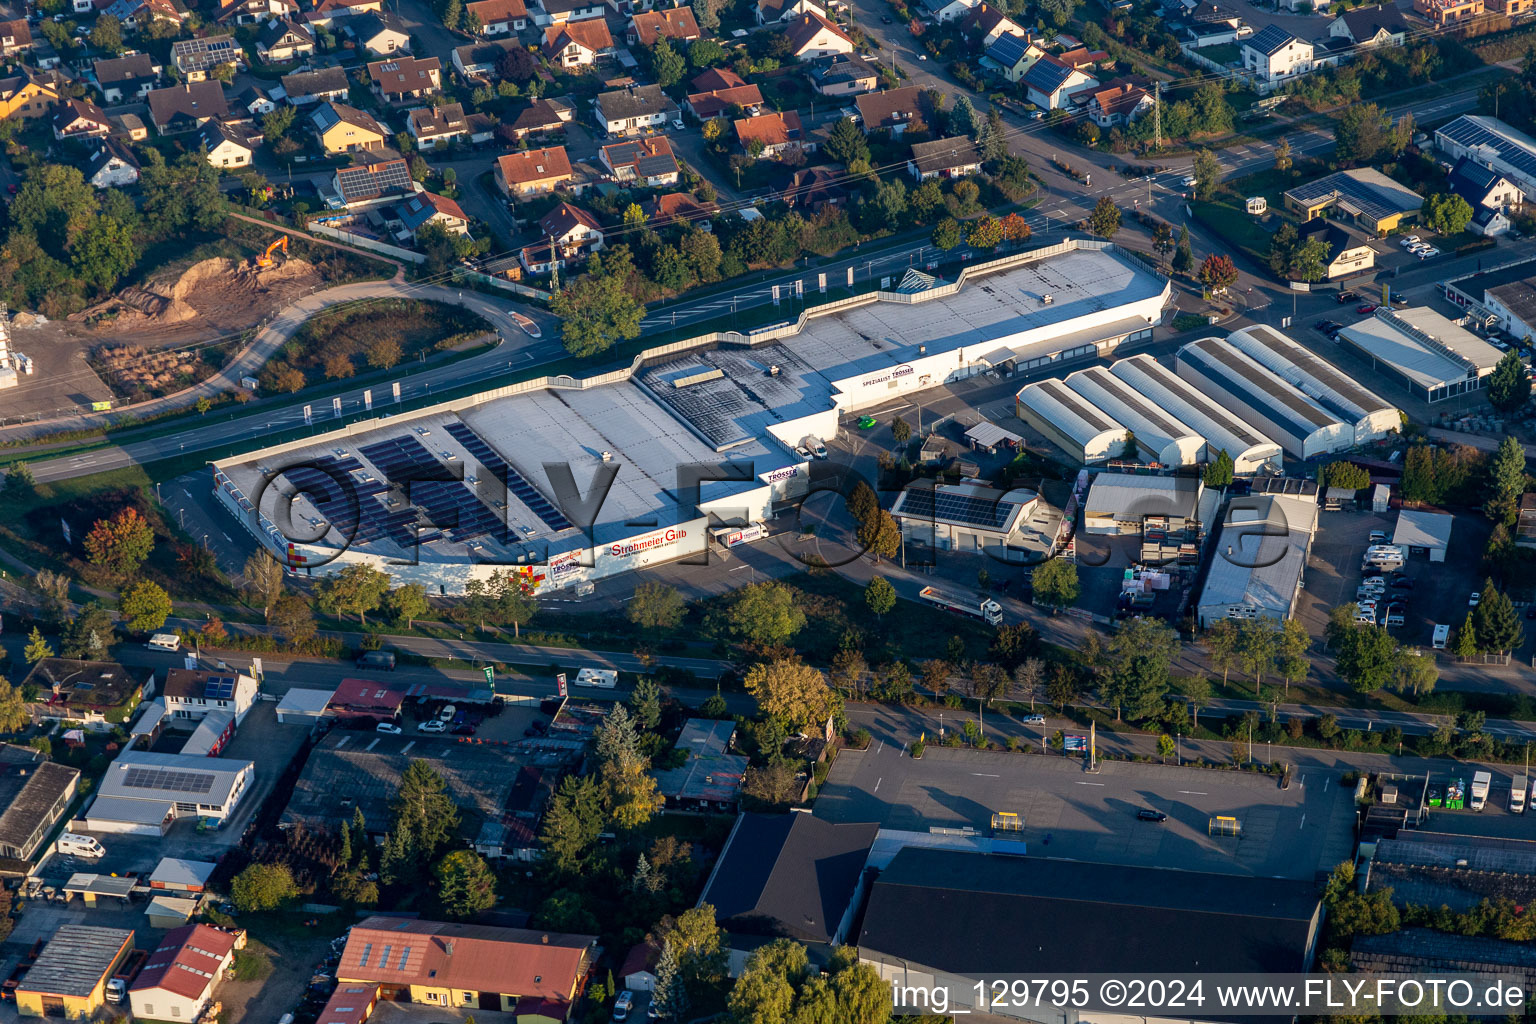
x=218, y=293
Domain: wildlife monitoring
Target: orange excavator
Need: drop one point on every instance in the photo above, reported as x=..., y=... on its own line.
x=269, y=257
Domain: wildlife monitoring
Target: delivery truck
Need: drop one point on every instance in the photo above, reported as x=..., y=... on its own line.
x=1480, y=784
x=965, y=603
x=1517, y=794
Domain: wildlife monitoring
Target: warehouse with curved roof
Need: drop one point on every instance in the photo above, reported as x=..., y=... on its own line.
x=1160, y=436
x=1070, y=422
x=1372, y=416
x=1262, y=397
x=1223, y=430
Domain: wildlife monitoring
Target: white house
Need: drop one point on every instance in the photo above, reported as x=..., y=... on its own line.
x=1274, y=56
x=179, y=977
x=632, y=110
x=947, y=10
x=553, y=12
x=113, y=166
x=498, y=17
x=812, y=36
x=1050, y=83
x=567, y=233
x=771, y=12
x=192, y=693
x=225, y=148
x=1371, y=26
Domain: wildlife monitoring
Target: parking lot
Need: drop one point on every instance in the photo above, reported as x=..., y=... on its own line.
x=1440, y=589
x=1288, y=833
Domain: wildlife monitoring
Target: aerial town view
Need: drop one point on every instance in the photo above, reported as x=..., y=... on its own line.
x=767, y=511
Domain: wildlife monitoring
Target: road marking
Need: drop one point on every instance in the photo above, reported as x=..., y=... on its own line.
x=1090, y=784
x=1192, y=792
x=984, y=775
x=880, y=746
x=1325, y=784
x=407, y=747
x=877, y=784
x=1303, y=823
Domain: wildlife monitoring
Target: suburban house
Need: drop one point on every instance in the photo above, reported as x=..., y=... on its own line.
x=648, y=161
x=891, y=110
x=771, y=135
x=1083, y=59
x=325, y=12
x=1371, y=26
x=770, y=12
x=1012, y=56
x=80, y=119
x=1448, y=12
x=125, y=79
x=344, y=129
x=425, y=208
x=940, y=11
x=437, y=126
x=283, y=41
x=381, y=33
x=28, y=94
x=183, y=108
x=675, y=23
x=716, y=78
x=575, y=44
x=249, y=12
x=719, y=102
x=553, y=12
x=15, y=37
x=1488, y=192
x=137, y=14
x=307, y=87
x=986, y=24
x=177, y=981
x=634, y=109
x=843, y=74
x=479, y=60
x=1275, y=56
x=196, y=59
x=255, y=101
x=541, y=117
x=811, y=35
x=567, y=233
x=679, y=206
x=405, y=78
x=375, y=180
x=1348, y=253
x=1118, y=104
x=128, y=126
x=498, y=17
x=112, y=166
x=944, y=158
x=813, y=189
x=534, y=975
x=35, y=793
x=1050, y=83
x=191, y=693
x=532, y=171
x=224, y=147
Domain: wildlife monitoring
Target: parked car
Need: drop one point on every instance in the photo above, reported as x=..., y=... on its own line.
x=434, y=726
x=1475, y=599
x=389, y=727
x=1034, y=720
x=1402, y=583
x=1329, y=326
x=803, y=452
x=885, y=19
x=1147, y=814
x=446, y=715
x=677, y=124
x=1408, y=240
x=1366, y=307
x=1346, y=296
x=1189, y=181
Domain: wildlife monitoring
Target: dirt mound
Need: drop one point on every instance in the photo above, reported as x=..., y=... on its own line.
x=214, y=295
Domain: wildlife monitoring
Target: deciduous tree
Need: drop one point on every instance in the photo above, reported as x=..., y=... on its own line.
x=1509, y=386
x=121, y=542
x=1218, y=273
x=263, y=576
x=1056, y=584
x=263, y=887
x=1207, y=174
x=791, y=691
x=656, y=606
x=595, y=313
x=880, y=596
x=407, y=603
x=1104, y=221
x=356, y=590
x=765, y=614
x=146, y=606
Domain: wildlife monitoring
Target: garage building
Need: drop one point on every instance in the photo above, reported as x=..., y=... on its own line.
x=143, y=792
x=1259, y=558
x=1222, y=430
x=1371, y=416
x=1433, y=357
x=1118, y=504
x=1264, y=398
x=1011, y=526
x=1424, y=533
x=70, y=976
x=178, y=980
x=303, y=707
x=1159, y=436
x=1075, y=426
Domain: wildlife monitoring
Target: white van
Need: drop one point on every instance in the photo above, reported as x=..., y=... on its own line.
x=606, y=678
x=80, y=846
x=164, y=642
x=1441, y=637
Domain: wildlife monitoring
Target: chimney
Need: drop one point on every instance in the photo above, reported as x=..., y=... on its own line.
x=544, y=939
x=450, y=947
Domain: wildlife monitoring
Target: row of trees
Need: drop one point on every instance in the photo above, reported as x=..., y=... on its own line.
x=1371, y=659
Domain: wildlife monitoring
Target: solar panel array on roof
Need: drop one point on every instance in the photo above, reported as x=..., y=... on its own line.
x=371, y=180
x=540, y=506
x=354, y=507
x=1474, y=132
x=450, y=504
x=926, y=503
x=167, y=779
x=219, y=687
x=1364, y=197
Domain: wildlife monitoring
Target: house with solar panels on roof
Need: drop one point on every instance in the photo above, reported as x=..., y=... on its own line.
x=1362, y=194
x=1491, y=143
x=193, y=693
x=145, y=793
x=1274, y=57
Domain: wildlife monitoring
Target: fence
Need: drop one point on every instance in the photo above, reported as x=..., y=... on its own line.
x=362, y=242
x=475, y=277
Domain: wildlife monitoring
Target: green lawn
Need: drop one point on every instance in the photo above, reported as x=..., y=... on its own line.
x=1222, y=53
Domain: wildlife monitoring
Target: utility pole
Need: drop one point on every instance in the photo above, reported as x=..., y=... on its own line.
x=1157, y=114
x=554, y=268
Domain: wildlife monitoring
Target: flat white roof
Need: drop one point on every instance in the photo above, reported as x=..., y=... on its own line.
x=300, y=701
x=1223, y=429
x=1424, y=346
x=1255, y=567
x=1142, y=495
x=1418, y=529
x=177, y=871
x=988, y=435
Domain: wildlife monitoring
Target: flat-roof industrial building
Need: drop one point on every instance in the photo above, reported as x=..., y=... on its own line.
x=938, y=915
x=1504, y=295
x=458, y=491
x=1222, y=429
x=1257, y=567
x=1161, y=436
x=1424, y=533
x=143, y=793
x=1264, y=398
x=1434, y=358
x=1119, y=503
x=1011, y=526
x=69, y=978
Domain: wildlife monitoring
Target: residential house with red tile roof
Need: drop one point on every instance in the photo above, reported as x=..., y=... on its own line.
x=425, y=208
x=575, y=44
x=568, y=233
x=179, y=977
x=649, y=161
x=719, y=102
x=811, y=35
x=498, y=17
x=405, y=78
x=716, y=78
x=533, y=171
x=772, y=135
x=1118, y=104
x=676, y=23
x=679, y=206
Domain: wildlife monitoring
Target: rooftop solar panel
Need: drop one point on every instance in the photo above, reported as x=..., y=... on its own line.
x=167, y=779
x=1508, y=144
x=926, y=503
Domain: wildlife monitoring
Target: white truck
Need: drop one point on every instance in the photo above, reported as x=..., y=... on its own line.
x=963, y=603
x=606, y=678
x=1480, y=784
x=1517, y=794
